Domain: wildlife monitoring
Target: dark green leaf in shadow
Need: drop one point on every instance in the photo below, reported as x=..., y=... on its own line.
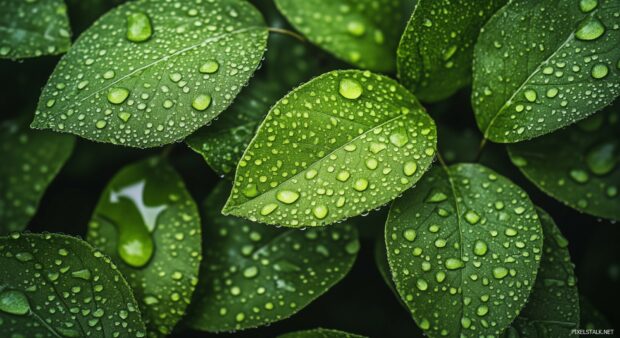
x=363, y=32
x=464, y=246
x=340, y=145
x=542, y=65
x=381, y=260
x=254, y=274
x=578, y=166
x=148, y=223
x=33, y=28
x=59, y=286
x=31, y=159
x=436, y=51
x=553, y=307
x=320, y=333
x=150, y=72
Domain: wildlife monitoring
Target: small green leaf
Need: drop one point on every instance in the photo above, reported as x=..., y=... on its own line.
x=254, y=275
x=458, y=244
x=150, y=72
x=336, y=147
x=320, y=333
x=540, y=66
x=223, y=143
x=33, y=28
x=553, y=306
x=363, y=32
x=31, y=160
x=579, y=165
x=436, y=51
x=148, y=223
x=59, y=286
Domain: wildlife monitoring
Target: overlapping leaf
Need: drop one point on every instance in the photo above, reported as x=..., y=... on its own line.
x=458, y=244
x=436, y=51
x=149, y=224
x=340, y=145
x=540, y=66
x=254, y=275
x=320, y=333
x=31, y=160
x=33, y=28
x=362, y=32
x=59, y=286
x=579, y=165
x=150, y=72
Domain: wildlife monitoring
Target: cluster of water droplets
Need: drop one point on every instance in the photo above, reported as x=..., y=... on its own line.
x=576, y=70
x=61, y=287
x=380, y=142
x=149, y=74
x=464, y=247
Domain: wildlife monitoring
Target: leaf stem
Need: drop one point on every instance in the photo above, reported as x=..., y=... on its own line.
x=483, y=143
x=441, y=160
x=286, y=32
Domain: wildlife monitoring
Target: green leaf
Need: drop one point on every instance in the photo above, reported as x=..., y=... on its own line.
x=223, y=143
x=320, y=333
x=363, y=32
x=553, y=306
x=150, y=72
x=33, y=28
x=381, y=260
x=253, y=275
x=464, y=247
x=579, y=165
x=435, y=53
x=148, y=223
x=540, y=66
x=31, y=160
x=59, y=286
x=336, y=147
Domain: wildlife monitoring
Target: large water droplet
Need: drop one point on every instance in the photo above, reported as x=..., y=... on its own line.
x=118, y=95
x=587, y=6
x=209, y=67
x=590, y=29
x=602, y=158
x=350, y=89
x=600, y=71
x=356, y=28
x=287, y=196
x=201, y=102
x=138, y=27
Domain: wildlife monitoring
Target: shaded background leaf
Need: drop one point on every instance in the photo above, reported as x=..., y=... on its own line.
x=320, y=333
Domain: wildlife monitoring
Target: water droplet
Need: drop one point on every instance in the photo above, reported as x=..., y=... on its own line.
x=409, y=234
x=250, y=190
x=454, y=263
x=580, y=176
x=14, y=302
x=268, y=209
x=201, y=102
x=352, y=247
x=360, y=184
x=410, y=168
x=350, y=89
x=436, y=196
x=590, y=29
x=530, y=95
x=399, y=139
x=287, y=196
x=500, y=272
x=480, y=248
x=24, y=256
x=138, y=27
x=209, y=67
x=118, y=95
x=472, y=217
x=356, y=28
x=482, y=310
x=320, y=211
x=101, y=124
x=421, y=284
x=82, y=274
x=250, y=272
x=343, y=176
x=602, y=158
x=599, y=71
x=587, y=6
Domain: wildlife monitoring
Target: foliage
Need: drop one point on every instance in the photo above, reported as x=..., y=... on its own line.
x=296, y=129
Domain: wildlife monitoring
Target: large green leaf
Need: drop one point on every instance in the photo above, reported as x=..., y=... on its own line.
x=338, y=146
x=553, y=307
x=33, y=28
x=59, y=286
x=150, y=72
x=542, y=65
x=362, y=32
x=320, y=333
x=436, y=51
x=464, y=247
x=31, y=160
x=254, y=275
x=148, y=223
x=221, y=144
x=579, y=165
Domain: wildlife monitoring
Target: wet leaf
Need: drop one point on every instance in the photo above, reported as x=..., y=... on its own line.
x=222, y=144
x=380, y=253
x=320, y=333
x=540, y=66
x=458, y=243
x=148, y=223
x=31, y=160
x=336, y=147
x=151, y=72
x=436, y=51
x=33, y=28
x=364, y=32
x=579, y=165
x=553, y=306
x=254, y=275
x=59, y=286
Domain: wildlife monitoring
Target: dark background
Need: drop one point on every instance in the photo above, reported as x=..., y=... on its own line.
x=361, y=303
